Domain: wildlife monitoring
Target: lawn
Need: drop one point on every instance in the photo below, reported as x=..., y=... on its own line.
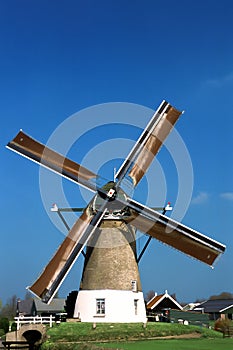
x=80, y=336
x=81, y=332
x=174, y=344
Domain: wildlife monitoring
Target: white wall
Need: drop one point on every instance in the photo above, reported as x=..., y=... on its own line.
x=119, y=306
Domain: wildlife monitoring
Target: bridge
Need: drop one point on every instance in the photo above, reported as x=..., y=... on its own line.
x=30, y=333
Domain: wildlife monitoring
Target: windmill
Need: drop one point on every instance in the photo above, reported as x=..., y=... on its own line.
x=110, y=288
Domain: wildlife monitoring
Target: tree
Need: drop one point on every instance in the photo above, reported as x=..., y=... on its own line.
x=199, y=300
x=4, y=324
x=9, y=310
x=173, y=295
x=149, y=295
x=27, y=296
x=70, y=303
x=223, y=295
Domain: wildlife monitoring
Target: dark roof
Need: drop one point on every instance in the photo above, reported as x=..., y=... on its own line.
x=228, y=310
x=25, y=306
x=216, y=305
x=56, y=305
x=36, y=306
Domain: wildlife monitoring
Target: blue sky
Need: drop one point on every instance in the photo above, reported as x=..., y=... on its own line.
x=58, y=57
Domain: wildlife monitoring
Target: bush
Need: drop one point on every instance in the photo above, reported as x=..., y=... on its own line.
x=4, y=324
x=14, y=327
x=2, y=332
x=221, y=325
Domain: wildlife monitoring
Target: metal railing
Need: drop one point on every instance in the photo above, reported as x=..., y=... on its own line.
x=34, y=320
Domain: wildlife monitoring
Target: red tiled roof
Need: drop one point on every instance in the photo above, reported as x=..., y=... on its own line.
x=154, y=300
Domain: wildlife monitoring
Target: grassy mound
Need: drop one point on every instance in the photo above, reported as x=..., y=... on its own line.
x=65, y=335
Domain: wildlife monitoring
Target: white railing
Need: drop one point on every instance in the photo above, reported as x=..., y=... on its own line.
x=34, y=320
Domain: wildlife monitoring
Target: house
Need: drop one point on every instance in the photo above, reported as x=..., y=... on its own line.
x=158, y=305
x=26, y=308
x=217, y=308
x=190, y=306
x=35, y=307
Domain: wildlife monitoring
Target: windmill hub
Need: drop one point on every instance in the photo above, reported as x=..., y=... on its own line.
x=108, y=191
x=115, y=208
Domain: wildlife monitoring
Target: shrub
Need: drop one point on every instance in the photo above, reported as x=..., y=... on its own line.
x=4, y=324
x=222, y=325
x=14, y=327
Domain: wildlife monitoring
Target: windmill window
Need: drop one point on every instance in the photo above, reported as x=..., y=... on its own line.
x=136, y=306
x=100, y=306
x=134, y=285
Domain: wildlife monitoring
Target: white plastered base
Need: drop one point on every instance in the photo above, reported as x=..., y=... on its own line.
x=120, y=306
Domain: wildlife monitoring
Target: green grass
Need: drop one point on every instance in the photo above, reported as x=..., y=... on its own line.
x=71, y=332
x=83, y=336
x=175, y=344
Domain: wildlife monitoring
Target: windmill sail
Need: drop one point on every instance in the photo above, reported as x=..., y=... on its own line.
x=149, y=143
x=54, y=273
x=175, y=234
x=36, y=151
